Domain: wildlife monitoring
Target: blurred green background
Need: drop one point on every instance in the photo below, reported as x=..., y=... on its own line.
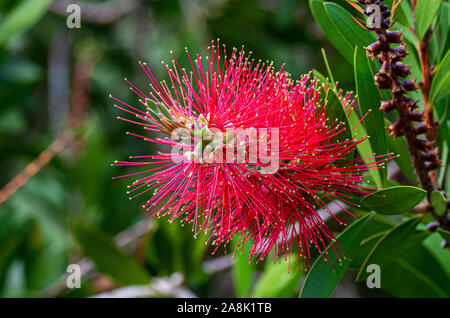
x=54, y=79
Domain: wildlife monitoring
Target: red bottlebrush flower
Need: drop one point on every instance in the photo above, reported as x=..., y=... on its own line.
x=251, y=153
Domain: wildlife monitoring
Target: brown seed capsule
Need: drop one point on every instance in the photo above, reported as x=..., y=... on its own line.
x=397, y=88
x=415, y=115
x=410, y=103
x=421, y=128
x=382, y=81
x=423, y=144
x=432, y=165
x=399, y=51
x=401, y=69
x=396, y=128
x=409, y=84
x=374, y=48
x=394, y=36
x=387, y=106
x=431, y=155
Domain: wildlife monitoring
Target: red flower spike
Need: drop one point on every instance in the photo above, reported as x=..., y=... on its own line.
x=270, y=198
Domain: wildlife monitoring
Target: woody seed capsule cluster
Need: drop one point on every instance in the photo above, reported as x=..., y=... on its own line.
x=411, y=122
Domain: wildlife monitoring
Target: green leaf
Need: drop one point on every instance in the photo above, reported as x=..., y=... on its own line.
x=393, y=245
x=418, y=282
x=445, y=234
x=279, y=279
x=153, y=109
x=442, y=28
x=335, y=112
x=421, y=258
x=324, y=276
x=355, y=129
x=243, y=271
x=438, y=201
x=364, y=147
x=369, y=100
x=325, y=60
x=426, y=10
x=440, y=86
x=319, y=76
x=366, y=246
x=339, y=28
x=108, y=258
x=329, y=28
x=25, y=15
x=394, y=200
x=442, y=255
x=354, y=34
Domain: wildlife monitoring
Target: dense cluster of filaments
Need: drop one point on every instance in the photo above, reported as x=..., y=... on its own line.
x=274, y=210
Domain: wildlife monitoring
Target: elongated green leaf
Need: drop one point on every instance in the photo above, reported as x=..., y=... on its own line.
x=330, y=73
x=394, y=200
x=438, y=201
x=335, y=111
x=364, y=147
x=279, y=279
x=369, y=101
x=377, y=224
x=323, y=277
x=357, y=131
x=108, y=258
x=319, y=76
x=442, y=28
x=442, y=255
x=366, y=246
x=339, y=28
x=423, y=273
x=26, y=14
x=243, y=272
x=440, y=86
x=402, y=279
x=426, y=10
x=329, y=28
x=445, y=161
x=393, y=245
x=7, y=253
x=426, y=262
